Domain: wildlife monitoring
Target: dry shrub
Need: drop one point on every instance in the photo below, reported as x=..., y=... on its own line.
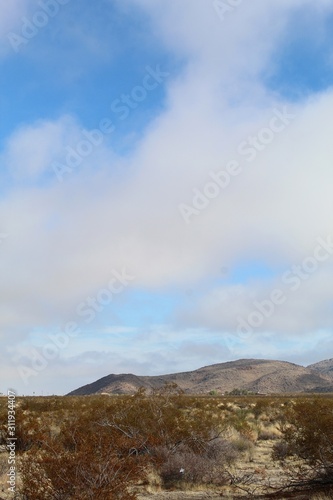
x=280, y=451
x=268, y=433
x=105, y=446
x=239, y=420
x=153, y=480
x=80, y=463
x=83, y=458
x=207, y=467
x=323, y=496
x=3, y=463
x=243, y=445
x=309, y=436
x=310, y=433
x=260, y=407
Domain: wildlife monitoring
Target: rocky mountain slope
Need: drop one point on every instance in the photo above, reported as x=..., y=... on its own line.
x=257, y=375
x=324, y=367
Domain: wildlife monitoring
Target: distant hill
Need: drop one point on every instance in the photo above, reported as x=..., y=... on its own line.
x=325, y=367
x=256, y=375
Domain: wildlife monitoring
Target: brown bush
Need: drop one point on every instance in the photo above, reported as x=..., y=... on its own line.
x=281, y=450
x=309, y=435
x=103, y=446
x=81, y=462
x=207, y=467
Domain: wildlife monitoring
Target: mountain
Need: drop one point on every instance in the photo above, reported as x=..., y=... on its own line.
x=324, y=367
x=256, y=375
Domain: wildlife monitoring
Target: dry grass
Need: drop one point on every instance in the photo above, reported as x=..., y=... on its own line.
x=250, y=427
x=268, y=432
x=321, y=496
x=3, y=471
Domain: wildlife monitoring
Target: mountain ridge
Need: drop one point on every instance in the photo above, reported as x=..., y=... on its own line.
x=253, y=375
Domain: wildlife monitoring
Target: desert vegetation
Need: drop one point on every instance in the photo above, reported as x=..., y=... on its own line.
x=152, y=445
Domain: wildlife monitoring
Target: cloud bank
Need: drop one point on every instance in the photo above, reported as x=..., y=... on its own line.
x=113, y=210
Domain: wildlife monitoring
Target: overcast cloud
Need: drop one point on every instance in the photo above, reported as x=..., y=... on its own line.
x=222, y=96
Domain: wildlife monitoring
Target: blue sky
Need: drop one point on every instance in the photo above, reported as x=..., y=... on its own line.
x=165, y=197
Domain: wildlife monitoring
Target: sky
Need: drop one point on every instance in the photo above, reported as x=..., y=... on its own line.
x=166, y=176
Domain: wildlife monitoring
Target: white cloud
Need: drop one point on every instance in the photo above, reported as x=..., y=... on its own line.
x=11, y=14
x=32, y=149
x=65, y=238
x=63, y=230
